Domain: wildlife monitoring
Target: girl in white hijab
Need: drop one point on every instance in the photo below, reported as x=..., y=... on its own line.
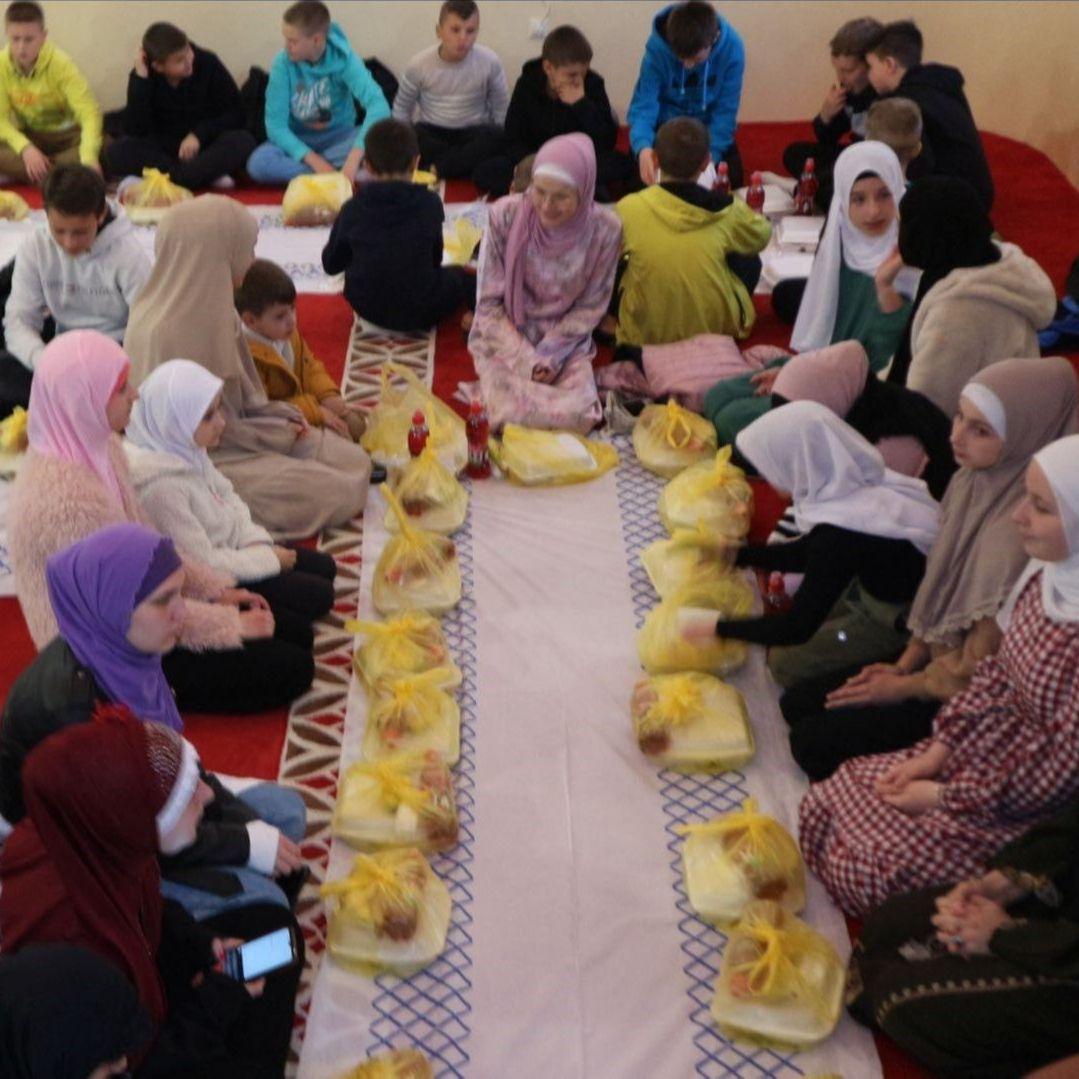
x=866, y=533
x=178, y=417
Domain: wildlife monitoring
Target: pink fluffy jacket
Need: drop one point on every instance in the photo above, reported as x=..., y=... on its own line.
x=54, y=503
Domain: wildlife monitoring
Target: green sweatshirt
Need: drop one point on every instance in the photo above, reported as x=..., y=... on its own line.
x=52, y=98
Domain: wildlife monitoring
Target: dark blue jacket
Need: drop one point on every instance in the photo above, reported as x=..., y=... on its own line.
x=709, y=92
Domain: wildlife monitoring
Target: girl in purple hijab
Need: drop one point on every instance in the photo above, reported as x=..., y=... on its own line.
x=118, y=603
x=547, y=266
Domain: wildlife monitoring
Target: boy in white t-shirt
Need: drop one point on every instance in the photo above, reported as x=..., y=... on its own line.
x=455, y=95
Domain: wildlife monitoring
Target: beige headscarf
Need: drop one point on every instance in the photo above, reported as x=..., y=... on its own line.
x=186, y=309
x=978, y=556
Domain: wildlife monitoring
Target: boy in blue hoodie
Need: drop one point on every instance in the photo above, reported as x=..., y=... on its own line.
x=310, y=110
x=693, y=66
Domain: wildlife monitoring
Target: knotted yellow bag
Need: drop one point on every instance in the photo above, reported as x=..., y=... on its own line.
x=413, y=713
x=391, y=913
x=550, y=458
x=713, y=494
x=690, y=557
x=780, y=983
x=407, y=643
x=417, y=570
x=315, y=200
x=692, y=721
x=430, y=494
x=662, y=648
x=668, y=438
x=386, y=437
x=403, y=801
x=735, y=859
x=147, y=200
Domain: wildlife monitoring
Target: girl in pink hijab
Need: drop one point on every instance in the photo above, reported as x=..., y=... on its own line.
x=546, y=272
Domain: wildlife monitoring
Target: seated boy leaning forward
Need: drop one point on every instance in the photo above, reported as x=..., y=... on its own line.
x=84, y=265
x=842, y=116
x=289, y=370
x=183, y=114
x=951, y=145
x=315, y=82
x=388, y=241
x=558, y=94
x=681, y=245
x=897, y=122
x=693, y=66
x=47, y=112
x=456, y=94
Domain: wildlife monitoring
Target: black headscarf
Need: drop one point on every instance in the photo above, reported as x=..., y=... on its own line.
x=942, y=227
x=64, y=1011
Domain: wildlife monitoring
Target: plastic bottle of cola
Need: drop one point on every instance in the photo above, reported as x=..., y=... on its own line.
x=776, y=600
x=807, y=189
x=723, y=179
x=755, y=193
x=478, y=430
x=417, y=434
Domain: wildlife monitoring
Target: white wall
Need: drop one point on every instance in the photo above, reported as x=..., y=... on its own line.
x=1018, y=58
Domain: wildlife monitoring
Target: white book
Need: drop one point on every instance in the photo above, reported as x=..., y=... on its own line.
x=802, y=233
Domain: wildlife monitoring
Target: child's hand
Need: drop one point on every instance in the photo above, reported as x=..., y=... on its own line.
x=37, y=165
x=299, y=426
x=333, y=421
x=889, y=269
x=900, y=776
x=256, y=624
x=648, y=164
x=833, y=103
x=915, y=798
x=317, y=163
x=241, y=597
x=352, y=164
x=142, y=65
x=189, y=147
x=286, y=557
x=289, y=857
x=763, y=381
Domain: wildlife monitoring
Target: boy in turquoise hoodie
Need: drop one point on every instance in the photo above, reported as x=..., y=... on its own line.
x=693, y=66
x=310, y=110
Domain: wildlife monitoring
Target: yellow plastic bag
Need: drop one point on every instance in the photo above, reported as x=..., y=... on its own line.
x=714, y=494
x=386, y=437
x=430, y=495
x=396, y=1064
x=413, y=713
x=550, y=458
x=690, y=557
x=780, y=983
x=692, y=721
x=13, y=434
x=425, y=178
x=460, y=241
x=315, y=200
x=740, y=857
x=409, y=643
x=391, y=913
x=147, y=200
x=668, y=438
x=662, y=648
x=13, y=207
x=417, y=570
x=403, y=801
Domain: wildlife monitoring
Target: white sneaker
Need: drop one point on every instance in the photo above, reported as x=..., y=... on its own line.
x=224, y=183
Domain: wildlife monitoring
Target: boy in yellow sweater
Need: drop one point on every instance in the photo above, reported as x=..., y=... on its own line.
x=289, y=370
x=47, y=112
x=684, y=247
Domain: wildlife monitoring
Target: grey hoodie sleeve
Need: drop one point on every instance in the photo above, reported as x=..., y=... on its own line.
x=24, y=316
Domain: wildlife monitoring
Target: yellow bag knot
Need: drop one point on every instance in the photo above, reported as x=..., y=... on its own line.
x=678, y=431
x=678, y=702
x=378, y=884
x=393, y=778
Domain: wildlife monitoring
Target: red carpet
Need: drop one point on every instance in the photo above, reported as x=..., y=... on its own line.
x=1033, y=199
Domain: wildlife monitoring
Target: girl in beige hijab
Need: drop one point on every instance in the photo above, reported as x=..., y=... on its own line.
x=296, y=479
x=1006, y=413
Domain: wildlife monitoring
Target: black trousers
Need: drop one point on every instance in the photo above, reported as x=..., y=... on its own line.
x=824, y=155
x=15, y=380
x=196, y=1039
x=456, y=287
x=225, y=155
x=787, y=298
x=306, y=590
x=822, y=739
x=972, y=1017
x=455, y=152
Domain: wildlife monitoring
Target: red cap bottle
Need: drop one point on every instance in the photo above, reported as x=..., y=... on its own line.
x=417, y=434
x=755, y=193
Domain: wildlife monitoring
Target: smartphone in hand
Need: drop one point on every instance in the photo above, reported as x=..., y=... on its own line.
x=261, y=956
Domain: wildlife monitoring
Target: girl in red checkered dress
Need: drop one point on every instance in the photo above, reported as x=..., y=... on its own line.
x=1004, y=754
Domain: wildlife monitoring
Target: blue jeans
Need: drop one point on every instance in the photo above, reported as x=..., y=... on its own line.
x=285, y=810
x=269, y=164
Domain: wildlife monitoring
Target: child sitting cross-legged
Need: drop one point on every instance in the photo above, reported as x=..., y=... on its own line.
x=287, y=367
x=677, y=239
x=388, y=241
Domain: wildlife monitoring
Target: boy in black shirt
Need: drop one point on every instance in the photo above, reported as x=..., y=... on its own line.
x=951, y=145
x=183, y=114
x=388, y=241
x=558, y=94
x=843, y=112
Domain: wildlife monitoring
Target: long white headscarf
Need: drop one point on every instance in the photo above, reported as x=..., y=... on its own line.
x=836, y=477
x=172, y=402
x=842, y=242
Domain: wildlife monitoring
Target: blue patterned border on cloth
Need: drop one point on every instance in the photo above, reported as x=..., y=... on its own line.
x=431, y=1010
x=687, y=799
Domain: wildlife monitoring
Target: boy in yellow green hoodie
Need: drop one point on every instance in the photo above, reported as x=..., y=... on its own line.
x=47, y=113
x=684, y=247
